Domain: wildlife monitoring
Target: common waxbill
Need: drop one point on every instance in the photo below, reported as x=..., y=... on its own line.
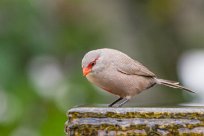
x=120, y=75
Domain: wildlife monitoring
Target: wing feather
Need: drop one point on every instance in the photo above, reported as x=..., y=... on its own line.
x=129, y=66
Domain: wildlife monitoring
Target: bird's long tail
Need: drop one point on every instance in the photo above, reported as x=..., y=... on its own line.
x=172, y=84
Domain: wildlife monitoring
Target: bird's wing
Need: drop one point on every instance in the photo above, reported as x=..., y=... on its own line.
x=129, y=66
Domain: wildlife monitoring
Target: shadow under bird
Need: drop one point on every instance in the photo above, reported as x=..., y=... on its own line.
x=120, y=75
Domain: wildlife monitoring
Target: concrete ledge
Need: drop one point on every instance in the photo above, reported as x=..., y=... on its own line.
x=91, y=121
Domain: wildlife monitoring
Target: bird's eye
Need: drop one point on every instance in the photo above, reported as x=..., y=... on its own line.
x=93, y=63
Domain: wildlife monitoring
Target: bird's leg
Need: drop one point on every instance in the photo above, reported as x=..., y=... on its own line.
x=122, y=103
x=110, y=105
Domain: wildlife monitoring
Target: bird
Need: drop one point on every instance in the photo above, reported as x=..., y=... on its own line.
x=119, y=74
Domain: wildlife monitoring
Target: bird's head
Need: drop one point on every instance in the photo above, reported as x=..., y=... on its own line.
x=91, y=61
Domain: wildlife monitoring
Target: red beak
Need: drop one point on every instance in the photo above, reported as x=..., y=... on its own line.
x=86, y=71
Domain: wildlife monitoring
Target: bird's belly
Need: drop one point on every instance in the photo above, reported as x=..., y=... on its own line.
x=120, y=84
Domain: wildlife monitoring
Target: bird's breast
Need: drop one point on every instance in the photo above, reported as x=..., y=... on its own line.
x=109, y=81
x=98, y=79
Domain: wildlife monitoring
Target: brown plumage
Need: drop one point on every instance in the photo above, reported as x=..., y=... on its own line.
x=119, y=74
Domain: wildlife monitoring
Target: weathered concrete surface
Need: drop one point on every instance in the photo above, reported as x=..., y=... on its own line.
x=89, y=121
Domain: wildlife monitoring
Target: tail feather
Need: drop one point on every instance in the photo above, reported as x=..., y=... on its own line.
x=172, y=84
x=169, y=81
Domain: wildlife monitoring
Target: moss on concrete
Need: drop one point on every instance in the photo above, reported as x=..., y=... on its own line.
x=135, y=121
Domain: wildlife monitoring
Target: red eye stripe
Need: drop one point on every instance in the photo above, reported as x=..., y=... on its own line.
x=91, y=64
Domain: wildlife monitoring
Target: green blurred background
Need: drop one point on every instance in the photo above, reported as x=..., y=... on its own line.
x=42, y=43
